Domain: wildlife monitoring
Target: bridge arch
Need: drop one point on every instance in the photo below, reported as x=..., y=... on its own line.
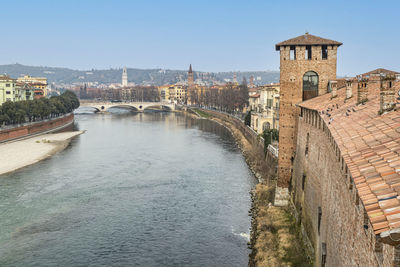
x=131, y=107
x=158, y=107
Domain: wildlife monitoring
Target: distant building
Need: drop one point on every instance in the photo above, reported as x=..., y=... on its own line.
x=11, y=90
x=39, y=83
x=124, y=77
x=251, y=85
x=177, y=94
x=190, y=77
x=163, y=91
x=264, y=104
x=235, y=78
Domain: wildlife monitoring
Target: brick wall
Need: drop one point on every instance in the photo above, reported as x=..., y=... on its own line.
x=291, y=93
x=35, y=128
x=320, y=183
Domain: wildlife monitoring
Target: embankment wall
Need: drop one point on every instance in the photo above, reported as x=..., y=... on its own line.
x=264, y=165
x=34, y=128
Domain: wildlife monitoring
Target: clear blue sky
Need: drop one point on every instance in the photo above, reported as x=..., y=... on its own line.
x=217, y=35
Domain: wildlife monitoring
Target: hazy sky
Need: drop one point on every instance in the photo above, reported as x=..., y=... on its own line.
x=216, y=35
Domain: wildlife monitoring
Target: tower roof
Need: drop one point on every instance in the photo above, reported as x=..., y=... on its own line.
x=307, y=39
x=190, y=68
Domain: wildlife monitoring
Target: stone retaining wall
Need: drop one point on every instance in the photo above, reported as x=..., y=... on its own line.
x=268, y=160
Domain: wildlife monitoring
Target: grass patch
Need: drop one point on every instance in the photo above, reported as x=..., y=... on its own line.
x=277, y=241
x=201, y=113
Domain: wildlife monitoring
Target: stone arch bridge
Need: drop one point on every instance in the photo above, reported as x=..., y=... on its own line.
x=135, y=106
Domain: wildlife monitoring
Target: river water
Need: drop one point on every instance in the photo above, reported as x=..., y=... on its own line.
x=149, y=189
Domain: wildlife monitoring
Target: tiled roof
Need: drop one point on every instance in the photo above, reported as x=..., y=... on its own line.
x=255, y=96
x=380, y=71
x=370, y=146
x=307, y=39
x=6, y=77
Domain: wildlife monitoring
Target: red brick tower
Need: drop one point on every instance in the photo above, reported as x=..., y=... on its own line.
x=307, y=63
x=190, y=77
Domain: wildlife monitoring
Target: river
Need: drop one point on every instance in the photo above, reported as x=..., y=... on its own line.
x=148, y=189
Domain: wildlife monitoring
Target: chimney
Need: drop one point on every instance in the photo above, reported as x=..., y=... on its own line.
x=333, y=88
x=362, y=90
x=388, y=99
x=349, y=88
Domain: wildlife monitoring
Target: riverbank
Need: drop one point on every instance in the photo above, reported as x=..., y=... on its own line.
x=274, y=236
x=21, y=153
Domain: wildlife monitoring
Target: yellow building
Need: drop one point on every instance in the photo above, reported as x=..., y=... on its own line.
x=177, y=94
x=265, y=108
x=36, y=82
x=11, y=90
x=163, y=91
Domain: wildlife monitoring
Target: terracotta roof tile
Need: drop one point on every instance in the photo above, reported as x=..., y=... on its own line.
x=370, y=146
x=307, y=39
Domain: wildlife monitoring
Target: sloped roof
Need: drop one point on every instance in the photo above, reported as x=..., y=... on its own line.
x=307, y=39
x=370, y=146
x=380, y=71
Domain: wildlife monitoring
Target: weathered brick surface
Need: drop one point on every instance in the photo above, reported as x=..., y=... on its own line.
x=34, y=128
x=327, y=186
x=291, y=80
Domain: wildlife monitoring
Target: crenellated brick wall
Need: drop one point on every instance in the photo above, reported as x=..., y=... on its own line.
x=327, y=204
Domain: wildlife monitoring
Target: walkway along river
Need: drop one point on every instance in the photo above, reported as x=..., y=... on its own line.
x=150, y=189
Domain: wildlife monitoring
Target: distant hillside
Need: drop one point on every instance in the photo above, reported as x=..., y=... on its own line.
x=138, y=76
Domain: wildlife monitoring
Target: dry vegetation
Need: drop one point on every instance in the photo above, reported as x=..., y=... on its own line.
x=275, y=238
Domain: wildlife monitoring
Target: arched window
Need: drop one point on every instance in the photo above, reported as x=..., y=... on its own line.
x=310, y=85
x=266, y=126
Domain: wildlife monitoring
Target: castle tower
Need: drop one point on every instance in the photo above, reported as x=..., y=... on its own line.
x=124, y=78
x=190, y=77
x=307, y=63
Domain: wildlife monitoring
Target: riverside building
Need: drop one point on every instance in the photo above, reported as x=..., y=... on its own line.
x=265, y=108
x=39, y=83
x=11, y=90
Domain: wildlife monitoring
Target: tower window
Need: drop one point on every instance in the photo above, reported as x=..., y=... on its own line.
x=308, y=53
x=319, y=219
x=308, y=143
x=310, y=85
x=292, y=52
x=324, y=52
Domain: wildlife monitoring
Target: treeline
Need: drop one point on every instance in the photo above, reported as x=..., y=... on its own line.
x=38, y=109
x=129, y=94
x=229, y=99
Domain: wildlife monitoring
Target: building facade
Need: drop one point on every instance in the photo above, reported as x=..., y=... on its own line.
x=12, y=90
x=177, y=94
x=265, y=108
x=39, y=83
